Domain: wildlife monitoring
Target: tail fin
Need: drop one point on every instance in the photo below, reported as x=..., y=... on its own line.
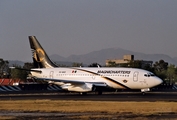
x=40, y=58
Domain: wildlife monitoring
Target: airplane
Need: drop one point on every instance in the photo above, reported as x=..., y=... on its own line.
x=88, y=79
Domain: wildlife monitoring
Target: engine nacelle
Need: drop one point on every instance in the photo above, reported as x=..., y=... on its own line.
x=145, y=90
x=87, y=87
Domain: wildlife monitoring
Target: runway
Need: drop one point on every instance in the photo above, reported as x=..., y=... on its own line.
x=118, y=97
x=109, y=96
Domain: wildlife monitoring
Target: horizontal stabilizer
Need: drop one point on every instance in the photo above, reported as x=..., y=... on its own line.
x=38, y=71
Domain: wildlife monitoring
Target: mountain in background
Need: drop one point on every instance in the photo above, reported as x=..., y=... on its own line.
x=113, y=53
x=15, y=62
x=175, y=58
x=102, y=55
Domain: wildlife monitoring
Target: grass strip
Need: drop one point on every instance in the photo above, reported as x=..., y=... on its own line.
x=66, y=106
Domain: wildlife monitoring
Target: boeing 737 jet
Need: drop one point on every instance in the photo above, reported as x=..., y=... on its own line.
x=87, y=79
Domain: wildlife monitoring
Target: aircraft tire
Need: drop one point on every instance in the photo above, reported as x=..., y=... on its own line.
x=100, y=92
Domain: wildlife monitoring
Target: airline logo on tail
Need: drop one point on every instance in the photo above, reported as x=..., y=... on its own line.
x=40, y=58
x=38, y=52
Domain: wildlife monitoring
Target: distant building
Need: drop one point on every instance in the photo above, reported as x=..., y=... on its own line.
x=127, y=59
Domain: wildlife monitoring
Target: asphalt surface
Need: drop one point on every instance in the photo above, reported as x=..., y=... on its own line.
x=109, y=96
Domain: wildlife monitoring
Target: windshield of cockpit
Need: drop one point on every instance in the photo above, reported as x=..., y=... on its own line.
x=149, y=74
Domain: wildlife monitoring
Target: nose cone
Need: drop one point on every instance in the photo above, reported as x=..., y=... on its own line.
x=158, y=81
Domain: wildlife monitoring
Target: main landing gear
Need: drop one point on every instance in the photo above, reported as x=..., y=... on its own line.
x=97, y=92
x=100, y=92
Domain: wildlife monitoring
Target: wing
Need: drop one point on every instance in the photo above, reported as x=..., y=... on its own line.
x=76, y=86
x=75, y=82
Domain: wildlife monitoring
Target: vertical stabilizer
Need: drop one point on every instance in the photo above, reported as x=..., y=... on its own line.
x=40, y=58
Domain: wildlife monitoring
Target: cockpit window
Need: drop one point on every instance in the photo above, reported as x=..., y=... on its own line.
x=146, y=75
x=152, y=74
x=149, y=74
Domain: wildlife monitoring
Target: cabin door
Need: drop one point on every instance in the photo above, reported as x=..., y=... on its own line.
x=51, y=74
x=135, y=76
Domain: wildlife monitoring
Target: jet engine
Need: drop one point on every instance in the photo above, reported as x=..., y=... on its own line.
x=86, y=87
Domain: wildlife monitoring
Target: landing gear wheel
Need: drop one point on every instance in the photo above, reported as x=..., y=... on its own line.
x=100, y=92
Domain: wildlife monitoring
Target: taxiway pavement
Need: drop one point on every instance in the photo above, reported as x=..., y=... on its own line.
x=109, y=96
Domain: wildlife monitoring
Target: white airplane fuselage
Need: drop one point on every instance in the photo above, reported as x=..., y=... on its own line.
x=86, y=79
x=117, y=78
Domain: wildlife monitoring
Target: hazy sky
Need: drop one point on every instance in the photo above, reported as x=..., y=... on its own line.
x=67, y=27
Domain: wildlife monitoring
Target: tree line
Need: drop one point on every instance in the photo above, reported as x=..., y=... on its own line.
x=167, y=72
